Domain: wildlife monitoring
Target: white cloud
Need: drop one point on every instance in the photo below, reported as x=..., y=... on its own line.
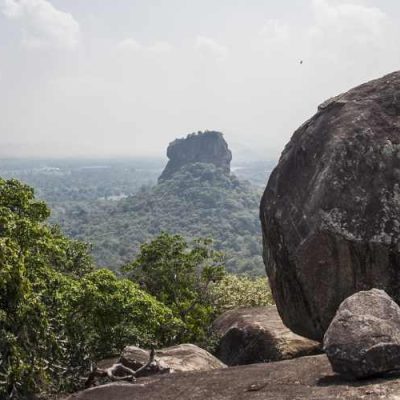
x=208, y=46
x=347, y=27
x=42, y=24
x=160, y=47
x=275, y=31
x=129, y=44
x=342, y=35
x=132, y=45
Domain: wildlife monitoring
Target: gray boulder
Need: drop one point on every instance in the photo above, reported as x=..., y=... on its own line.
x=363, y=339
x=257, y=334
x=304, y=378
x=331, y=210
x=181, y=358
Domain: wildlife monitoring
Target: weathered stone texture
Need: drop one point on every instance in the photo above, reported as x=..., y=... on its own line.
x=180, y=358
x=257, y=334
x=207, y=147
x=305, y=378
x=363, y=338
x=331, y=209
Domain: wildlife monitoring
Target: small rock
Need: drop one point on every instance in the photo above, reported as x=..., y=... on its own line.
x=134, y=357
x=363, y=339
x=181, y=358
x=257, y=334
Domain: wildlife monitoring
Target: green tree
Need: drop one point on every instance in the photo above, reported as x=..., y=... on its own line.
x=56, y=312
x=180, y=275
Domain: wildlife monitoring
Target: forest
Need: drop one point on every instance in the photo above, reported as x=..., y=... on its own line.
x=115, y=205
x=170, y=293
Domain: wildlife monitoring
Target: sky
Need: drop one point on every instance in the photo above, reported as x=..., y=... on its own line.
x=94, y=78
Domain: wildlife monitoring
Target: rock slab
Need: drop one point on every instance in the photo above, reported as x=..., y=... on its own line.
x=257, y=334
x=180, y=358
x=331, y=210
x=363, y=338
x=304, y=378
x=207, y=147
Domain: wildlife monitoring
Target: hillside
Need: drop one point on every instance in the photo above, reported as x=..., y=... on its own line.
x=200, y=200
x=196, y=199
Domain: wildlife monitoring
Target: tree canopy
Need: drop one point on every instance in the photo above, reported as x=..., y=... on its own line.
x=56, y=312
x=179, y=274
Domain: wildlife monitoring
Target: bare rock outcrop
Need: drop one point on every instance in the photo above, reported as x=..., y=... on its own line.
x=257, y=334
x=180, y=358
x=331, y=210
x=207, y=147
x=363, y=338
x=304, y=378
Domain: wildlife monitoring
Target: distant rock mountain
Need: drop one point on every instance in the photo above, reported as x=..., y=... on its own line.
x=196, y=196
x=207, y=147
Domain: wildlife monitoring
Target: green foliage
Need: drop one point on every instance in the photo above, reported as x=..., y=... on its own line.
x=198, y=201
x=56, y=312
x=180, y=276
x=114, y=312
x=235, y=291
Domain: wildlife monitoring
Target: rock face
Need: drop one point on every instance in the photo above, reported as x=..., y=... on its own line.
x=253, y=335
x=181, y=358
x=331, y=210
x=305, y=378
x=363, y=338
x=203, y=147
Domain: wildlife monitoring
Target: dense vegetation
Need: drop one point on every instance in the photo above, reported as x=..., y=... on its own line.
x=58, y=313
x=199, y=200
x=181, y=276
x=88, y=200
x=63, y=183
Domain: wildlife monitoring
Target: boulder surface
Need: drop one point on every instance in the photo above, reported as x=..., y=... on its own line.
x=331, y=210
x=304, y=378
x=180, y=358
x=207, y=147
x=257, y=334
x=363, y=338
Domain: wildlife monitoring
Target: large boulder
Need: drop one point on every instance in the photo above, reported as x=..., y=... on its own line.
x=331, y=210
x=304, y=378
x=253, y=335
x=363, y=338
x=180, y=358
x=207, y=147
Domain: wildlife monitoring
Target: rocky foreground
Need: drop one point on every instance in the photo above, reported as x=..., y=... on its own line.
x=331, y=227
x=308, y=378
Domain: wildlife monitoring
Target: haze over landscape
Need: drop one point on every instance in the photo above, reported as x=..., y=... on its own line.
x=188, y=186
x=95, y=78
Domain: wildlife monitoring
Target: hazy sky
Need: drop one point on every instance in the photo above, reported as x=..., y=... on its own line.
x=125, y=77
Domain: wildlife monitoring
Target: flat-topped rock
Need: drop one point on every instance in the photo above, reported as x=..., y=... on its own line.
x=257, y=334
x=305, y=378
x=207, y=147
